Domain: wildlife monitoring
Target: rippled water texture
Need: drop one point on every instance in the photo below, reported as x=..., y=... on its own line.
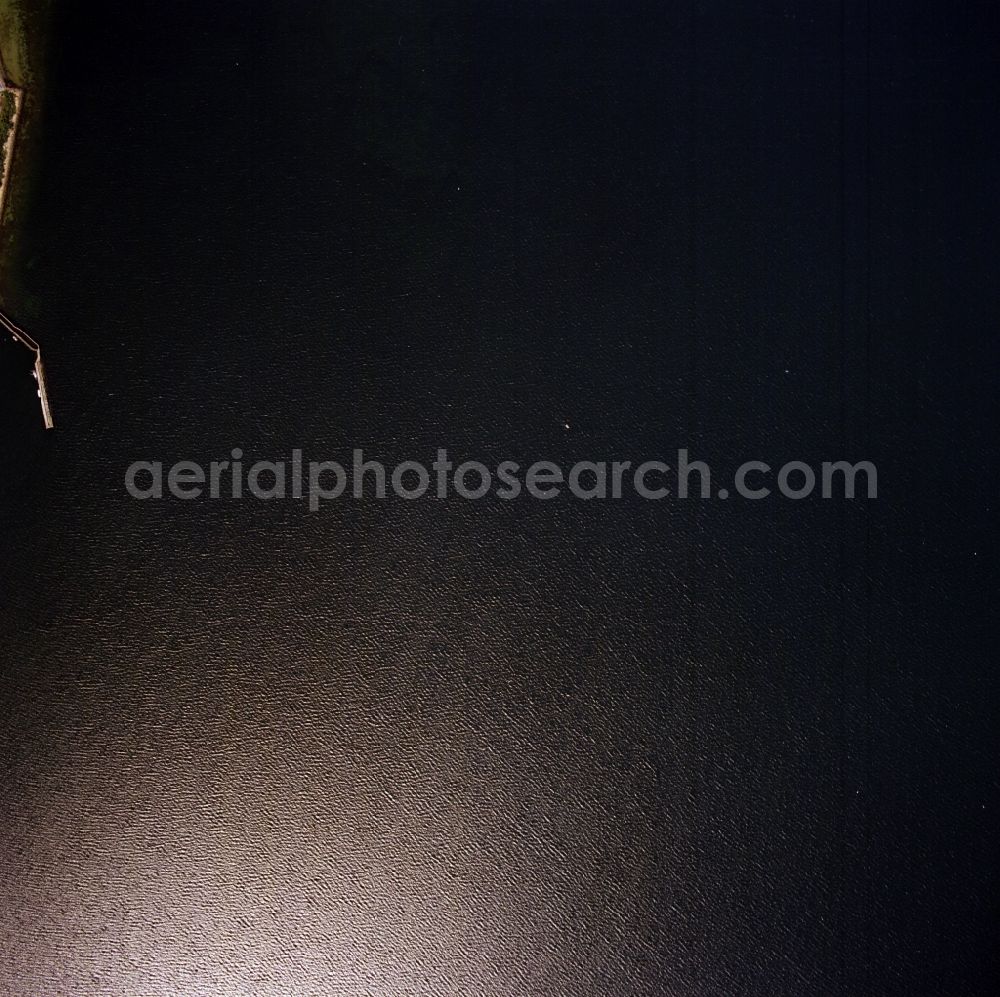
x=525, y=748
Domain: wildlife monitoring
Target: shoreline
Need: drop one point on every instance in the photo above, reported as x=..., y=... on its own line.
x=24, y=41
x=10, y=142
x=20, y=336
x=20, y=45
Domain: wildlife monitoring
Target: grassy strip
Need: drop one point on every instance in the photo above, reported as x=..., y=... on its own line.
x=7, y=108
x=24, y=29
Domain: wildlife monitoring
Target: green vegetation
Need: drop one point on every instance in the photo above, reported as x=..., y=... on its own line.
x=24, y=37
x=7, y=109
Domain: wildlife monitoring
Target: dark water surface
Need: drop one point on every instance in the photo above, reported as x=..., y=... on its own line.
x=531, y=748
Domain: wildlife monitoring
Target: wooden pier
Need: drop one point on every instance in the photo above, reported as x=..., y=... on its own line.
x=39, y=372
